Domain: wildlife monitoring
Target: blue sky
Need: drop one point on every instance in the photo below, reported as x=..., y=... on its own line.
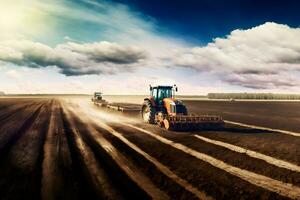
x=202, y=20
x=120, y=47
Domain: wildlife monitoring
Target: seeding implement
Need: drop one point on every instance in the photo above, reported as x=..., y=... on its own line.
x=163, y=109
x=118, y=107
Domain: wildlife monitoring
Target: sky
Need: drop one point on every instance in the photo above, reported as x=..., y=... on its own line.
x=122, y=46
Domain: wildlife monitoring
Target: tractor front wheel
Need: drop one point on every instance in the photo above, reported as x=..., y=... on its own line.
x=148, y=112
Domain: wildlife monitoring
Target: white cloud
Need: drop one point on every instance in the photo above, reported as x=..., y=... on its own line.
x=73, y=58
x=265, y=56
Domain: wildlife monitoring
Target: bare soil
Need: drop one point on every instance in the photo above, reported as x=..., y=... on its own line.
x=70, y=149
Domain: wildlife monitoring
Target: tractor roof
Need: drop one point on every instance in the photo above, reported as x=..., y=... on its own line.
x=162, y=86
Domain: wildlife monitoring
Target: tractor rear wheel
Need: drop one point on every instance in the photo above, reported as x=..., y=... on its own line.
x=148, y=112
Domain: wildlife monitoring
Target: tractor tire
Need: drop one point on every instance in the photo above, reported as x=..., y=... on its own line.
x=148, y=112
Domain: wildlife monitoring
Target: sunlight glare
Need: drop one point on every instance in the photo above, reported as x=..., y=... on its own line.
x=19, y=17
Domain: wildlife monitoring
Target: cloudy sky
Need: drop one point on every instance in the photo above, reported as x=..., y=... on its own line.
x=122, y=46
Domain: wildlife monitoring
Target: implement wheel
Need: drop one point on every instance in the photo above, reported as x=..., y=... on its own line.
x=148, y=112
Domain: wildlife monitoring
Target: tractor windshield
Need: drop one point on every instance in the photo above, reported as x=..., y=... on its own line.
x=159, y=93
x=164, y=93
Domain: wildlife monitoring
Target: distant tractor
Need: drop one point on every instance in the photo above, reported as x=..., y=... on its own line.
x=163, y=109
x=98, y=99
x=97, y=96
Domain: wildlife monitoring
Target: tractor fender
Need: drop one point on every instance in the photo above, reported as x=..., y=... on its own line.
x=148, y=112
x=151, y=101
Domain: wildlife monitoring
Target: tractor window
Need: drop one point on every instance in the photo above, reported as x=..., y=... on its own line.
x=154, y=94
x=164, y=93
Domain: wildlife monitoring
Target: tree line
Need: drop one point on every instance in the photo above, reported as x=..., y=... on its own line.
x=253, y=96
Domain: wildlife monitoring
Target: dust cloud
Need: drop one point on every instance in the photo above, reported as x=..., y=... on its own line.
x=86, y=107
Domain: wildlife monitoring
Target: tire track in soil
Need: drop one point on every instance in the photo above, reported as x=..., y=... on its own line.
x=21, y=166
x=253, y=154
x=292, y=133
x=276, y=145
x=237, y=159
x=163, y=170
x=92, y=176
x=284, y=189
x=124, y=174
x=241, y=160
x=267, y=177
x=251, y=192
x=160, y=179
x=215, y=182
x=58, y=176
x=279, y=178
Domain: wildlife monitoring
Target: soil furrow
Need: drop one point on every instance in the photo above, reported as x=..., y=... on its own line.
x=254, y=154
x=276, y=145
x=13, y=110
x=216, y=182
x=24, y=159
x=296, y=134
x=241, y=161
x=274, y=114
x=162, y=180
x=119, y=121
x=85, y=186
x=284, y=189
x=92, y=170
x=13, y=130
x=58, y=177
x=162, y=168
x=135, y=184
x=70, y=149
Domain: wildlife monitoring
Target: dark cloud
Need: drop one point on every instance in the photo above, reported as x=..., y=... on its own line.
x=108, y=52
x=72, y=58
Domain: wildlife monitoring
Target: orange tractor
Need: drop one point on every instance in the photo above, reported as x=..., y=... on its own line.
x=163, y=109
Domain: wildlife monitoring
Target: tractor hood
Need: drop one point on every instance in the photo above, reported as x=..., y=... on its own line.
x=172, y=101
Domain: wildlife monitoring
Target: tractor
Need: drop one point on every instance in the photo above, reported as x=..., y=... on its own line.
x=163, y=109
x=98, y=99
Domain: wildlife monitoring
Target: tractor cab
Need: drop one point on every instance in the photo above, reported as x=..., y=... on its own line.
x=98, y=96
x=159, y=93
